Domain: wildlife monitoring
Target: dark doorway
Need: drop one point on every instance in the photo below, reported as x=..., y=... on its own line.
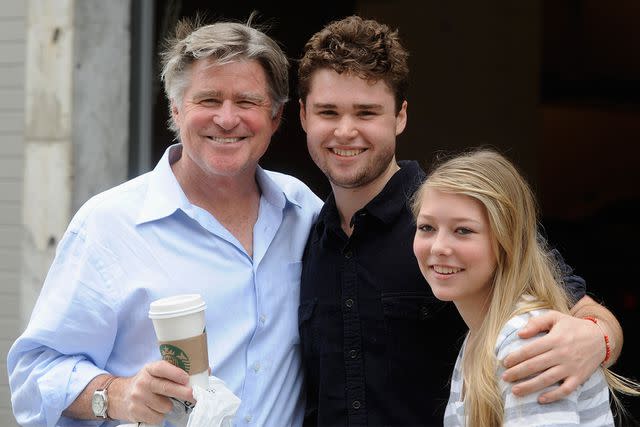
x=589, y=193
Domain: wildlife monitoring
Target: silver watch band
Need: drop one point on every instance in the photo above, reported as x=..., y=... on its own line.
x=103, y=390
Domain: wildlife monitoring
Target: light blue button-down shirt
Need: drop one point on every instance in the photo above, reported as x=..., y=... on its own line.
x=144, y=240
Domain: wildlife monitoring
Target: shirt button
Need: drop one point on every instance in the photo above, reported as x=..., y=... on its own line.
x=263, y=319
x=256, y=366
x=348, y=302
x=353, y=354
x=348, y=254
x=356, y=404
x=424, y=313
x=248, y=419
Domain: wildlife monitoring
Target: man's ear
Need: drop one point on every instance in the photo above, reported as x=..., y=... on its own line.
x=277, y=119
x=175, y=113
x=401, y=119
x=303, y=115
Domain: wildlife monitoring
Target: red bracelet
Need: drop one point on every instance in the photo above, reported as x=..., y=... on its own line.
x=607, y=345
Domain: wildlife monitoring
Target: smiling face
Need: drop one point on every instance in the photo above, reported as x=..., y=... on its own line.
x=224, y=119
x=351, y=128
x=454, y=246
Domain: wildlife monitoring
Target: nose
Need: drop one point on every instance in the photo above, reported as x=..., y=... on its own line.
x=345, y=129
x=440, y=245
x=226, y=116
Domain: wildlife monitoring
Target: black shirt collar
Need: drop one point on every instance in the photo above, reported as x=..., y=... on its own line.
x=385, y=206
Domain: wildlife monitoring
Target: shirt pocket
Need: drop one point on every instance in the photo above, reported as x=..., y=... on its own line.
x=421, y=347
x=408, y=321
x=321, y=338
x=320, y=326
x=291, y=273
x=282, y=287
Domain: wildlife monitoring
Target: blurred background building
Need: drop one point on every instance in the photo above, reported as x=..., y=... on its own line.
x=555, y=84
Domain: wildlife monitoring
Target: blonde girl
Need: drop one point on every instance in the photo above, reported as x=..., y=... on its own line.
x=477, y=244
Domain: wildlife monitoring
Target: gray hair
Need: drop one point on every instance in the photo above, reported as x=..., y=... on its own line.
x=223, y=43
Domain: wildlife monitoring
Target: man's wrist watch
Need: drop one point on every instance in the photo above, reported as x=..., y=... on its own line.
x=100, y=400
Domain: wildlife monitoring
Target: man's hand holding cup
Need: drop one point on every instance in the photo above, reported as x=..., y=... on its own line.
x=145, y=397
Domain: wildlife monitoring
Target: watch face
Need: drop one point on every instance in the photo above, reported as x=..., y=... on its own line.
x=98, y=405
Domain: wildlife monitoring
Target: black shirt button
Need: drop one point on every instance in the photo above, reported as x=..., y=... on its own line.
x=348, y=303
x=356, y=404
x=353, y=354
x=348, y=254
x=424, y=313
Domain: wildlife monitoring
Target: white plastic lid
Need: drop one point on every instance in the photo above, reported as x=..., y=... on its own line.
x=177, y=305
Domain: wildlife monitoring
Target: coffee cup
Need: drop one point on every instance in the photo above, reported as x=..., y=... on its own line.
x=179, y=323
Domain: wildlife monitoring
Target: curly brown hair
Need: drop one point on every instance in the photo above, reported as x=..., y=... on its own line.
x=362, y=47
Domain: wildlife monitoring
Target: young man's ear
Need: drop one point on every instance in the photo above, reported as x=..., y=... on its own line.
x=401, y=118
x=303, y=115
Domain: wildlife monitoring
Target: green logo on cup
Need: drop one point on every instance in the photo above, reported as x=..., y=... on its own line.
x=175, y=356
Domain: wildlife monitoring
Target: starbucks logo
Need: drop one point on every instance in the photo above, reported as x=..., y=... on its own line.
x=175, y=356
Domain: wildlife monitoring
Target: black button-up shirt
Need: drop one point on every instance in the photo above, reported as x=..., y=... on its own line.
x=378, y=348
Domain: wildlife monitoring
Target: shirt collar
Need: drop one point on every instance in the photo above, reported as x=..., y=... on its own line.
x=394, y=197
x=387, y=204
x=164, y=195
x=274, y=193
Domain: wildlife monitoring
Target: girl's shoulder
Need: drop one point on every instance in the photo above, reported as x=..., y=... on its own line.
x=508, y=339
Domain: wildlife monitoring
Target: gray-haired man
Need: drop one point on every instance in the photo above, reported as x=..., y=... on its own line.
x=206, y=220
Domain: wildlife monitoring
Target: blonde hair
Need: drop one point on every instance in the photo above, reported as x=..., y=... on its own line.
x=525, y=266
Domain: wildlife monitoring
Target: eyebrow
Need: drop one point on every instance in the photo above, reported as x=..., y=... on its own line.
x=207, y=94
x=323, y=105
x=456, y=219
x=259, y=99
x=249, y=96
x=368, y=106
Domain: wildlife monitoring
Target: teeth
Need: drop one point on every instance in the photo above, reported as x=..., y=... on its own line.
x=346, y=153
x=441, y=269
x=222, y=140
